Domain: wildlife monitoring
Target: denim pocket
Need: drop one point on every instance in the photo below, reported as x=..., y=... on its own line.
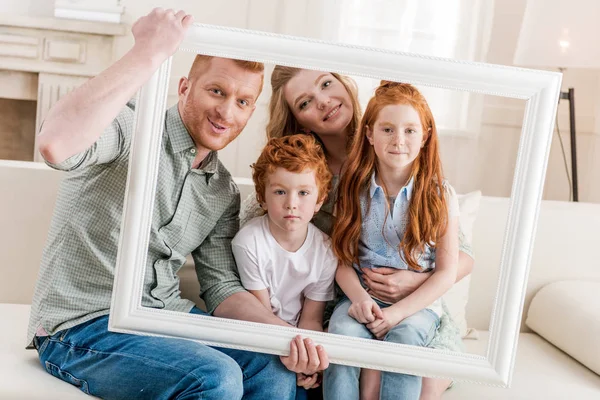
x=41, y=344
x=67, y=377
x=62, y=334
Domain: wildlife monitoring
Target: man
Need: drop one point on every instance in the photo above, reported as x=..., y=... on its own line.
x=88, y=133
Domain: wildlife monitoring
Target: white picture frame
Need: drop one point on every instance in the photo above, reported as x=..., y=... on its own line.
x=540, y=89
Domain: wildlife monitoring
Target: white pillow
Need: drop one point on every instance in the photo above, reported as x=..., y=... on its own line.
x=567, y=314
x=469, y=207
x=457, y=297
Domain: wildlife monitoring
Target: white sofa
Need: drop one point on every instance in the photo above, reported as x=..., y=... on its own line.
x=567, y=237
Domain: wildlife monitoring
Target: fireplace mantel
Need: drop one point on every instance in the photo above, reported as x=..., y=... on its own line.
x=41, y=59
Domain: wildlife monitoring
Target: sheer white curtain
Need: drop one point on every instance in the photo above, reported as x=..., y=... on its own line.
x=458, y=29
x=445, y=28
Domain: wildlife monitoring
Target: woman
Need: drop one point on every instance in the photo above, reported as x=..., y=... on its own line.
x=326, y=105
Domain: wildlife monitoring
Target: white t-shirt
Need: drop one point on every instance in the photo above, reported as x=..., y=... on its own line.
x=288, y=276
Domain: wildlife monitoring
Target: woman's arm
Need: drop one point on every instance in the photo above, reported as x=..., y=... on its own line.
x=444, y=276
x=465, y=266
x=392, y=285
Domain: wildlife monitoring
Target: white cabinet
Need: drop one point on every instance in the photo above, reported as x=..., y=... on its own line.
x=41, y=59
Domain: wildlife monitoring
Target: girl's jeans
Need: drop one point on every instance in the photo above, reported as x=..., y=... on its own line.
x=342, y=382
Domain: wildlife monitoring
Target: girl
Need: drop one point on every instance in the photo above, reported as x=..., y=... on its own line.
x=300, y=101
x=397, y=212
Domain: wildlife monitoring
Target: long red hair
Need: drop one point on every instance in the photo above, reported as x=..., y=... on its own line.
x=428, y=211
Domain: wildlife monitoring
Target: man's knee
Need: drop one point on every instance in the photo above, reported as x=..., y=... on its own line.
x=271, y=366
x=223, y=381
x=265, y=376
x=230, y=384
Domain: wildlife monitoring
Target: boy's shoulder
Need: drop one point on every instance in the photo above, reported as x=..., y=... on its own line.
x=248, y=232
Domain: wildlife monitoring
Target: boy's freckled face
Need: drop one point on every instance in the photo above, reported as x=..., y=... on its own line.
x=291, y=199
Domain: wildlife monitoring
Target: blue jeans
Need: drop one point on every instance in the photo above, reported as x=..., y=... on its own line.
x=123, y=366
x=342, y=381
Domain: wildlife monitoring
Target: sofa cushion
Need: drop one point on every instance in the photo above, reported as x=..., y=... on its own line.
x=21, y=374
x=541, y=372
x=567, y=314
x=468, y=204
x=27, y=202
x=457, y=297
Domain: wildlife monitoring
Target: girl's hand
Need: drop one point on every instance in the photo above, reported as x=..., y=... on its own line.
x=365, y=311
x=381, y=326
x=305, y=357
x=308, y=382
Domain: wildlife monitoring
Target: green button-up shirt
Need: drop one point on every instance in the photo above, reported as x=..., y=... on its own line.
x=195, y=211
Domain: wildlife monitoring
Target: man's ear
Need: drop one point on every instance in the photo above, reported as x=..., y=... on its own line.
x=183, y=88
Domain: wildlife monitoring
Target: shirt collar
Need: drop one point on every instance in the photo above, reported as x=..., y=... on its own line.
x=210, y=164
x=179, y=136
x=407, y=189
x=374, y=186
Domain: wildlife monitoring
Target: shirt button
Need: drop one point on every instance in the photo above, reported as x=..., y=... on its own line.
x=193, y=151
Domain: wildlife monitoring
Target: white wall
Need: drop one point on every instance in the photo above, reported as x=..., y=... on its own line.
x=495, y=149
x=485, y=162
x=34, y=8
x=501, y=115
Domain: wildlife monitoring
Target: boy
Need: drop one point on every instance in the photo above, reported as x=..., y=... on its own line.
x=283, y=259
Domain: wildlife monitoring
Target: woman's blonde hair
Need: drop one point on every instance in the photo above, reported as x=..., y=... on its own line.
x=281, y=120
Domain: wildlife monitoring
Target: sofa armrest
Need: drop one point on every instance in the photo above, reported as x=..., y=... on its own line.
x=566, y=314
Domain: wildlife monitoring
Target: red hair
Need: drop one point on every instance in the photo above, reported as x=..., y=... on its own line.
x=199, y=66
x=294, y=153
x=428, y=211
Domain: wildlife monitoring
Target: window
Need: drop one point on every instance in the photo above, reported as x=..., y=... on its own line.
x=458, y=29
